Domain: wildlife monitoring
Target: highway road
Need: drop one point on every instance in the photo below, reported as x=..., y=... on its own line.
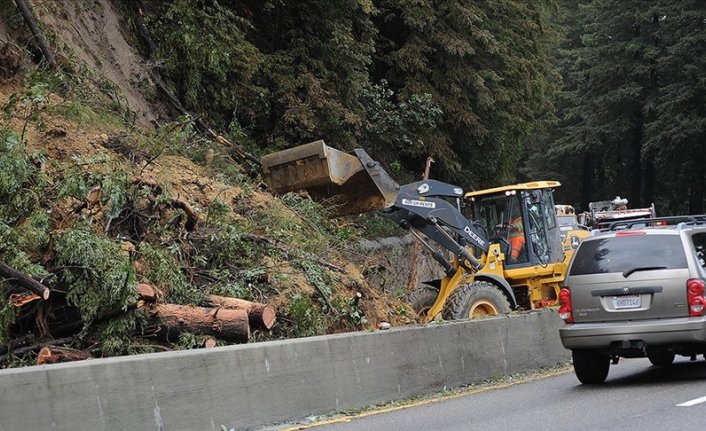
x=636, y=396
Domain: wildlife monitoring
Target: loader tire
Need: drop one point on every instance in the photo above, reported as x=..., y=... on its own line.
x=474, y=301
x=422, y=298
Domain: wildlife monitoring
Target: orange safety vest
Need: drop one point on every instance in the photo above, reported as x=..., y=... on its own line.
x=517, y=237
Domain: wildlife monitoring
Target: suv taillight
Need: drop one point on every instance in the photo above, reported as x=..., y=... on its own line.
x=565, y=311
x=695, y=296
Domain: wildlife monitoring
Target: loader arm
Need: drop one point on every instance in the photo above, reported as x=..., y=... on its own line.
x=421, y=206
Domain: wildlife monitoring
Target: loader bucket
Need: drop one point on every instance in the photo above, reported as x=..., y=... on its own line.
x=348, y=183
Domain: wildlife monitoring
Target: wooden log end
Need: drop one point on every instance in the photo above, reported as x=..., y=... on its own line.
x=55, y=354
x=20, y=299
x=269, y=317
x=147, y=292
x=210, y=343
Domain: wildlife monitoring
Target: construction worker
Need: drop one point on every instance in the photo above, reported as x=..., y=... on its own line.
x=516, y=233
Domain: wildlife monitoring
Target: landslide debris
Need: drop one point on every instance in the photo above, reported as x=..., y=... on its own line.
x=99, y=198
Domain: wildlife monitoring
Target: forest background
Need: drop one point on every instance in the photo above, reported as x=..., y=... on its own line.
x=606, y=97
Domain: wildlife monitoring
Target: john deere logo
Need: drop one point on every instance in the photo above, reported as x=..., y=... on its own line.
x=423, y=188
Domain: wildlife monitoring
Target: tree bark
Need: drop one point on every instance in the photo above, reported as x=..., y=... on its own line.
x=259, y=315
x=174, y=320
x=696, y=191
x=588, y=175
x=23, y=280
x=54, y=354
x=22, y=350
x=650, y=178
x=26, y=12
x=636, y=162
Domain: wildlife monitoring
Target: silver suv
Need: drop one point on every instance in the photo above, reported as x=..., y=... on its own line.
x=636, y=289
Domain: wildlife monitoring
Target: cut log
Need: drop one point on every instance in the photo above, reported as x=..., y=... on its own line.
x=20, y=299
x=23, y=280
x=259, y=315
x=174, y=320
x=147, y=292
x=22, y=350
x=54, y=354
x=210, y=343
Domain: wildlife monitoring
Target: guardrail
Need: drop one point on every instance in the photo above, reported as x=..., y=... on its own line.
x=254, y=385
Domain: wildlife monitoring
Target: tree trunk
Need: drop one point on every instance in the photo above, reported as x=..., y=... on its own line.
x=23, y=280
x=259, y=315
x=696, y=192
x=54, y=354
x=26, y=12
x=587, y=184
x=636, y=163
x=174, y=320
x=650, y=177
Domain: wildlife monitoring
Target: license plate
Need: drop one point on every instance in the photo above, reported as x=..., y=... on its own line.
x=627, y=301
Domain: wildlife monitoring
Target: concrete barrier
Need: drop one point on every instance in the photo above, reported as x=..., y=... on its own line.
x=253, y=385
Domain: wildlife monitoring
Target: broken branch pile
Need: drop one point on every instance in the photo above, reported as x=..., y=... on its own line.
x=229, y=319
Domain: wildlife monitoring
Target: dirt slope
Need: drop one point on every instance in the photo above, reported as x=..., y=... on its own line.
x=94, y=33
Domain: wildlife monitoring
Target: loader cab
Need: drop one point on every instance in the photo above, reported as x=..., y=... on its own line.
x=521, y=218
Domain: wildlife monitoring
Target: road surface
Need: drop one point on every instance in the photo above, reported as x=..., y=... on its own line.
x=636, y=396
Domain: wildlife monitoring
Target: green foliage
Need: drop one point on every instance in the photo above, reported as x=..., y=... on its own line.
x=630, y=111
x=225, y=248
x=374, y=226
x=348, y=312
x=117, y=336
x=399, y=127
x=310, y=229
x=487, y=66
x=306, y=318
x=188, y=341
x=205, y=55
x=218, y=213
x=100, y=276
x=24, y=225
x=21, y=183
x=314, y=68
x=7, y=318
x=164, y=271
x=234, y=289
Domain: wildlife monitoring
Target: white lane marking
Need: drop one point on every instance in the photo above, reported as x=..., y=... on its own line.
x=692, y=402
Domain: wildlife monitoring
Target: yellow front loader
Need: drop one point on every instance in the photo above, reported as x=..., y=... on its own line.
x=501, y=248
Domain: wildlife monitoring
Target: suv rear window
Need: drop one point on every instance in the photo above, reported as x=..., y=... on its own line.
x=620, y=254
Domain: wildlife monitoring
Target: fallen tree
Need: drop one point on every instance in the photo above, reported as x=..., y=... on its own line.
x=15, y=276
x=173, y=320
x=259, y=315
x=56, y=354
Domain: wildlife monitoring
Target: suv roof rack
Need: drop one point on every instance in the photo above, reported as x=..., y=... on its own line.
x=665, y=221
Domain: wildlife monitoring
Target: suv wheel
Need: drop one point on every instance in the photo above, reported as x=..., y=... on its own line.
x=661, y=358
x=590, y=366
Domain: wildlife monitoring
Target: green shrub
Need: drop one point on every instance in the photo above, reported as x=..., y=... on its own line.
x=164, y=271
x=306, y=318
x=100, y=276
